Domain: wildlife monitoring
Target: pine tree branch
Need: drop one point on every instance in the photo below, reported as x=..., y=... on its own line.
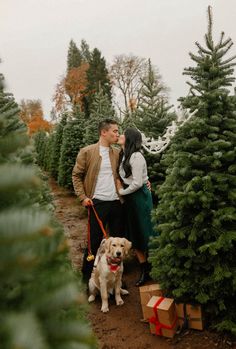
x=202, y=49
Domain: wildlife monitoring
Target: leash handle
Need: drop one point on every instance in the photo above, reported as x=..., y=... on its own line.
x=90, y=255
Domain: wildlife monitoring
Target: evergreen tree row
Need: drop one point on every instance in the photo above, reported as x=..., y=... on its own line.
x=41, y=305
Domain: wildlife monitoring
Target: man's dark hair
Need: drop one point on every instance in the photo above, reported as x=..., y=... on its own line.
x=106, y=124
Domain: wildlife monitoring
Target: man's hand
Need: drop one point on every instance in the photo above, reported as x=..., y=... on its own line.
x=87, y=202
x=149, y=185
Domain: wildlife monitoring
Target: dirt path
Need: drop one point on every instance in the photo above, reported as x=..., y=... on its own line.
x=121, y=328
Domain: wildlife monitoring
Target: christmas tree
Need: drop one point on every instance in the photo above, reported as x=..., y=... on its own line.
x=40, y=142
x=101, y=109
x=84, y=51
x=194, y=255
x=56, y=149
x=72, y=141
x=128, y=120
x=98, y=78
x=41, y=305
x=152, y=117
x=48, y=155
x=74, y=57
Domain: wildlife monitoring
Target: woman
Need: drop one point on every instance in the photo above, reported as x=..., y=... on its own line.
x=138, y=199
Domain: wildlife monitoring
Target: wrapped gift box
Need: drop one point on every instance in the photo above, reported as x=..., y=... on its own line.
x=162, y=316
x=190, y=316
x=146, y=293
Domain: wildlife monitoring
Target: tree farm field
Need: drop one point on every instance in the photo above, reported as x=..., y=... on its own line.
x=122, y=327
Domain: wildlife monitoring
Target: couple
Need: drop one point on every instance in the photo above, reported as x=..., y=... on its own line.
x=114, y=182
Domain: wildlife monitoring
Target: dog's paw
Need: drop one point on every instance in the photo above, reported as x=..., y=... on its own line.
x=91, y=298
x=122, y=291
x=119, y=301
x=104, y=309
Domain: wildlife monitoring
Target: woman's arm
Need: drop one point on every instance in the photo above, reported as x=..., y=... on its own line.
x=137, y=163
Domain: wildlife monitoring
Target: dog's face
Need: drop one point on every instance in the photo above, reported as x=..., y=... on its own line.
x=117, y=247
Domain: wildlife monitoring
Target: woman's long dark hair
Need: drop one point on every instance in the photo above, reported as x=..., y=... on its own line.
x=133, y=143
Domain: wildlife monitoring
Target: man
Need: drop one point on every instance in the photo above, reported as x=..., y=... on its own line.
x=94, y=179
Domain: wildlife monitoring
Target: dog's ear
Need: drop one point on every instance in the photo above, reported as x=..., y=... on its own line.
x=101, y=249
x=107, y=245
x=128, y=246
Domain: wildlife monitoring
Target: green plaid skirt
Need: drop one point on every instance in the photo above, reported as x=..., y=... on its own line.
x=137, y=207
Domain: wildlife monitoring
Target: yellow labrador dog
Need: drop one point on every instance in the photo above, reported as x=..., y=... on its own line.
x=107, y=271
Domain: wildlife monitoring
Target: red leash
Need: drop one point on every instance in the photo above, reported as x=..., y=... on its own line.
x=90, y=255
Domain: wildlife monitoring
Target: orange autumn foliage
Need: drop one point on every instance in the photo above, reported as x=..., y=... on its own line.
x=38, y=124
x=32, y=115
x=59, y=97
x=71, y=88
x=76, y=83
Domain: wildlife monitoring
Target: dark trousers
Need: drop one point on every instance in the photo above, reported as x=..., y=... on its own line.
x=112, y=217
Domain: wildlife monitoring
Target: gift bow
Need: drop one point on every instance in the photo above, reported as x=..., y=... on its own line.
x=154, y=319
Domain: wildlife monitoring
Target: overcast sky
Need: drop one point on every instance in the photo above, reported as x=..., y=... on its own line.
x=35, y=34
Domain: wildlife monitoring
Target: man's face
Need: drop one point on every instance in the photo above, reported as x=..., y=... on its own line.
x=112, y=134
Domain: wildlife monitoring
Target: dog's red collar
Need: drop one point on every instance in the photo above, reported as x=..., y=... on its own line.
x=114, y=263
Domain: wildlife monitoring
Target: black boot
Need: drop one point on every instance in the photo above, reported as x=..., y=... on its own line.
x=144, y=276
x=87, y=268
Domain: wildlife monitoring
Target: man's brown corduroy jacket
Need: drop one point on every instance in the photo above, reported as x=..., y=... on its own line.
x=86, y=169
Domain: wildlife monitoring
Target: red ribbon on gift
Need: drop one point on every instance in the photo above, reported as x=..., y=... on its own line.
x=154, y=319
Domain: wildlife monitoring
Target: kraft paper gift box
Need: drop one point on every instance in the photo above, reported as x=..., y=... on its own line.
x=146, y=293
x=190, y=316
x=162, y=316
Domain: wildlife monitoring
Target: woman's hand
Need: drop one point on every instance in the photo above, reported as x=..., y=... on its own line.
x=119, y=184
